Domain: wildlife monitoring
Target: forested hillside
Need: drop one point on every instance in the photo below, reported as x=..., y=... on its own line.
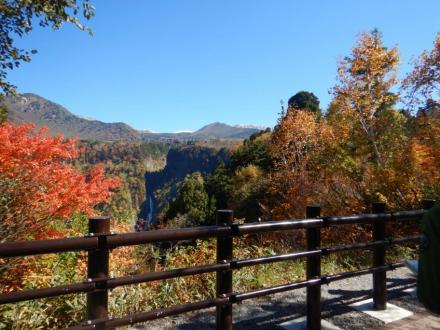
x=147, y=169
x=129, y=161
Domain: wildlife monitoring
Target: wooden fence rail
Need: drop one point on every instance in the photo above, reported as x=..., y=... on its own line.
x=100, y=240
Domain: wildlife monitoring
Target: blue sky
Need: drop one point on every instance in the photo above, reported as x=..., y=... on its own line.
x=170, y=65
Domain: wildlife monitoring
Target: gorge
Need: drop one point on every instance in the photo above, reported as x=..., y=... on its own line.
x=161, y=186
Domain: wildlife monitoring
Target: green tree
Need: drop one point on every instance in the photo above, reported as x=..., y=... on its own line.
x=17, y=18
x=249, y=188
x=241, y=185
x=192, y=202
x=305, y=100
x=219, y=185
x=254, y=150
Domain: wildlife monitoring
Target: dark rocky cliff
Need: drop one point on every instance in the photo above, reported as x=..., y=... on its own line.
x=162, y=185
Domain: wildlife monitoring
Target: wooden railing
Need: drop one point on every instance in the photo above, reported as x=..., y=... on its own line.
x=100, y=240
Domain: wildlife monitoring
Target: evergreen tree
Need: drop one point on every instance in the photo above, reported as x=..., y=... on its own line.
x=192, y=202
x=306, y=101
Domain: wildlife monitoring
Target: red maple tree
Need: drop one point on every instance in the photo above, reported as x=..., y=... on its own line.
x=38, y=182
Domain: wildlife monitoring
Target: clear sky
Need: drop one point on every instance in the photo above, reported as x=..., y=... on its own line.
x=170, y=65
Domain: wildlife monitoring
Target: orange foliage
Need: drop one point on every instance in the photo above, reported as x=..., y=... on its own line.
x=423, y=82
x=40, y=182
x=375, y=138
x=311, y=167
x=363, y=89
x=364, y=150
x=425, y=144
x=295, y=141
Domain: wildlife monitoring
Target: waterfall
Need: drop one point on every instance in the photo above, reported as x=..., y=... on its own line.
x=150, y=212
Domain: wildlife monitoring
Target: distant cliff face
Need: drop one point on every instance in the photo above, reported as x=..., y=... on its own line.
x=43, y=113
x=162, y=185
x=181, y=161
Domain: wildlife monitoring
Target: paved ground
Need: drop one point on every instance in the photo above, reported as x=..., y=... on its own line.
x=269, y=312
x=419, y=321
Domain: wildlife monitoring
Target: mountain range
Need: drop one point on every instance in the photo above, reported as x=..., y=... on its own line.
x=33, y=108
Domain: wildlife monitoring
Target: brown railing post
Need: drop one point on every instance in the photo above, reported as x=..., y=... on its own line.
x=313, y=271
x=380, y=277
x=224, y=278
x=428, y=203
x=98, y=268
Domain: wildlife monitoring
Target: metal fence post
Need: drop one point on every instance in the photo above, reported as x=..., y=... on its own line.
x=313, y=271
x=98, y=268
x=379, y=278
x=224, y=278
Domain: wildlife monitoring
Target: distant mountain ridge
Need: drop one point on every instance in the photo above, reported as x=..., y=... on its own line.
x=33, y=108
x=36, y=109
x=212, y=131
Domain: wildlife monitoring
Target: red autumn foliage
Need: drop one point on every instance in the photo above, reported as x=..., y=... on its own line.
x=39, y=182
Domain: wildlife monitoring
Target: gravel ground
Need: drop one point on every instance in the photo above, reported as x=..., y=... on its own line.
x=269, y=312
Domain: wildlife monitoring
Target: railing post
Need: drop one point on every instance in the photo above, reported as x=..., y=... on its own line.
x=98, y=268
x=313, y=271
x=379, y=278
x=224, y=278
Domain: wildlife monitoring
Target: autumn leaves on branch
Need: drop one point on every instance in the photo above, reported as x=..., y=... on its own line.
x=364, y=149
x=423, y=83
x=39, y=184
